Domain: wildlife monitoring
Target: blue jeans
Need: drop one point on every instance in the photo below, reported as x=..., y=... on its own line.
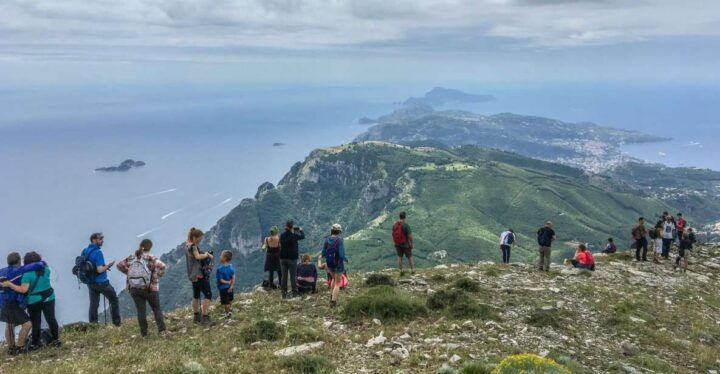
x=505, y=254
x=666, y=247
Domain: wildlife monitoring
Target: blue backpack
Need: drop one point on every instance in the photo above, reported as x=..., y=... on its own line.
x=332, y=252
x=84, y=269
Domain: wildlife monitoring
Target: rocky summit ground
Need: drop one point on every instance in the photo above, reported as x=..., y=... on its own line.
x=626, y=317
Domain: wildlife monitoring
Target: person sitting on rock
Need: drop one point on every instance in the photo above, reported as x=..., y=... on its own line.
x=610, y=247
x=583, y=258
x=307, y=276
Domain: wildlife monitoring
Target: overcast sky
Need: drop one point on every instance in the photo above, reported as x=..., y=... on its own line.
x=349, y=42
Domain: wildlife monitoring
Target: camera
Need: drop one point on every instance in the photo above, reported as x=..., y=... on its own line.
x=3, y=279
x=211, y=252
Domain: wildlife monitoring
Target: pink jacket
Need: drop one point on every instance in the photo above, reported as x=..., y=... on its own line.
x=156, y=266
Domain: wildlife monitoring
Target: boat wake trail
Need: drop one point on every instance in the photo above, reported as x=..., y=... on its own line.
x=171, y=213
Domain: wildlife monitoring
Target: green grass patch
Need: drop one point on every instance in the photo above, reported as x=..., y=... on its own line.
x=567, y=361
x=467, y=284
x=655, y=364
x=438, y=278
x=307, y=364
x=376, y=279
x=459, y=304
x=544, y=318
x=476, y=368
x=262, y=330
x=385, y=303
x=303, y=334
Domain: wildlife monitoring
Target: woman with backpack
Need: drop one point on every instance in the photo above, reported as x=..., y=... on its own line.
x=271, y=245
x=334, y=254
x=40, y=300
x=143, y=272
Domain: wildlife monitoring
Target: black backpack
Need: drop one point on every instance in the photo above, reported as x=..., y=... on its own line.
x=85, y=270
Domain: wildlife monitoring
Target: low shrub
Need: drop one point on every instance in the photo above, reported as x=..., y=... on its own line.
x=529, y=363
x=307, y=364
x=445, y=298
x=438, y=278
x=303, y=334
x=544, y=318
x=467, y=284
x=567, y=361
x=376, y=279
x=262, y=330
x=385, y=303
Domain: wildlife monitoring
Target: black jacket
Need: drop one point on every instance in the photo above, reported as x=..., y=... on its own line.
x=289, y=245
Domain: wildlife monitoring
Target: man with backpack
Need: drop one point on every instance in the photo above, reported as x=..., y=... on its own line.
x=639, y=235
x=507, y=238
x=545, y=235
x=97, y=281
x=668, y=235
x=403, y=241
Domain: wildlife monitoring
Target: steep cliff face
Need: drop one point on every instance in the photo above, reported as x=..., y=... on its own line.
x=458, y=201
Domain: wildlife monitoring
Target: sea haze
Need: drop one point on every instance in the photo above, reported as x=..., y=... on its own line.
x=207, y=147
x=204, y=152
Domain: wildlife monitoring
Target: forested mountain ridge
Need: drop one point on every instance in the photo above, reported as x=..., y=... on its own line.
x=458, y=201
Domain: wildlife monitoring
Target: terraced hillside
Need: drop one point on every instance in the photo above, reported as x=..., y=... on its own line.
x=458, y=201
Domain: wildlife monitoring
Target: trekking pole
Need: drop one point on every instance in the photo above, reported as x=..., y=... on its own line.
x=104, y=310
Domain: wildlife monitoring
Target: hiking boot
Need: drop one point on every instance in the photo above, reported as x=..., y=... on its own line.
x=197, y=318
x=165, y=334
x=402, y=273
x=333, y=304
x=206, y=320
x=55, y=344
x=13, y=351
x=228, y=315
x=413, y=273
x=655, y=260
x=284, y=295
x=273, y=286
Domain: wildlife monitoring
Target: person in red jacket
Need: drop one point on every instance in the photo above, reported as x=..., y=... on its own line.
x=680, y=225
x=583, y=258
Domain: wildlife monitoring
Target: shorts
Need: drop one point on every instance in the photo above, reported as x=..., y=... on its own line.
x=657, y=245
x=403, y=251
x=336, y=270
x=226, y=296
x=13, y=314
x=202, y=286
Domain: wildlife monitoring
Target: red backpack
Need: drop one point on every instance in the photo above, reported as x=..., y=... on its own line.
x=399, y=237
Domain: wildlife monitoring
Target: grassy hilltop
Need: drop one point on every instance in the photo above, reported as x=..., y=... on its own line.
x=624, y=318
x=458, y=201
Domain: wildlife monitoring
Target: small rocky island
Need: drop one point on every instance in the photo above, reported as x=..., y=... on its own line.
x=124, y=166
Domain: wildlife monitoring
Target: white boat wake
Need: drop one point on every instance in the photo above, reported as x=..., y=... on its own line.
x=172, y=213
x=156, y=193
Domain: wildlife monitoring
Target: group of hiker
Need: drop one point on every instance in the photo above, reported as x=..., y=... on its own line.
x=666, y=231
x=27, y=294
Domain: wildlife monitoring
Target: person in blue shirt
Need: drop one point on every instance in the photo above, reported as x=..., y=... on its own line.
x=101, y=285
x=11, y=312
x=225, y=275
x=334, y=254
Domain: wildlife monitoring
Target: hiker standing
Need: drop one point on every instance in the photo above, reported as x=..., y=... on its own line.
x=289, y=256
x=684, y=251
x=272, y=257
x=639, y=235
x=668, y=234
x=143, y=272
x=403, y=241
x=334, y=254
x=11, y=311
x=545, y=235
x=225, y=278
x=680, y=226
x=199, y=267
x=99, y=284
x=657, y=243
x=507, y=238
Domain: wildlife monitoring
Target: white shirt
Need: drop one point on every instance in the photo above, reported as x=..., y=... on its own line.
x=668, y=228
x=504, y=236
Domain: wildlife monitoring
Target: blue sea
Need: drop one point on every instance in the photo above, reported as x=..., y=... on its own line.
x=209, y=146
